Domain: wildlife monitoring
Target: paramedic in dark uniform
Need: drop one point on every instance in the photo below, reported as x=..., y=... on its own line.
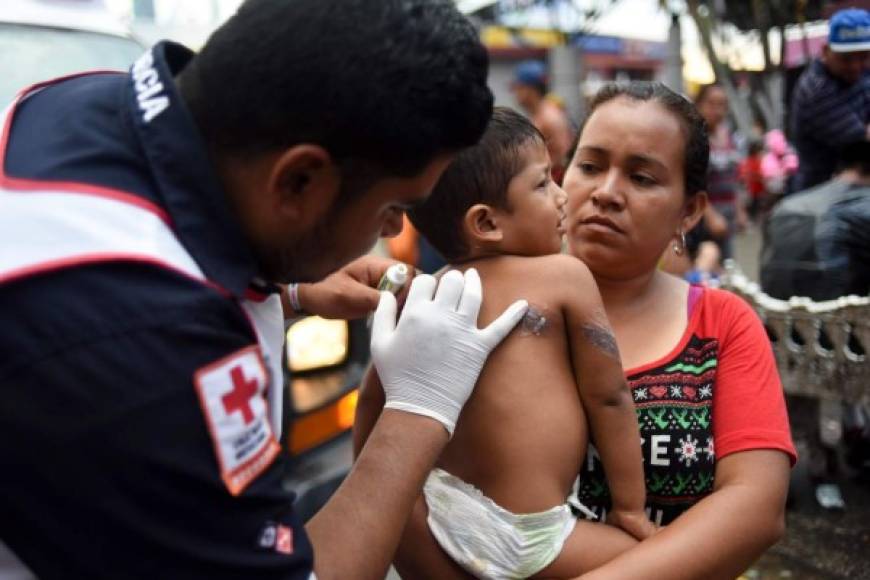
x=145, y=219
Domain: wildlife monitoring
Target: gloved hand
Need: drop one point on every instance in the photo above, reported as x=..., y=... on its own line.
x=430, y=361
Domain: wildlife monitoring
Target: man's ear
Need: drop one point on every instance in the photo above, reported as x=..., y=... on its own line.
x=693, y=211
x=303, y=180
x=481, y=224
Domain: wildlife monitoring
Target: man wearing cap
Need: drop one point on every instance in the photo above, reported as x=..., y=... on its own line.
x=831, y=103
x=530, y=90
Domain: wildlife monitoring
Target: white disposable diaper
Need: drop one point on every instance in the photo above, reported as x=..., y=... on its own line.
x=487, y=540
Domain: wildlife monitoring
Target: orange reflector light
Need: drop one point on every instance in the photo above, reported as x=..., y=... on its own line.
x=322, y=425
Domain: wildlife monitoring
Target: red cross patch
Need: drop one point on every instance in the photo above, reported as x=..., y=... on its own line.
x=231, y=392
x=284, y=540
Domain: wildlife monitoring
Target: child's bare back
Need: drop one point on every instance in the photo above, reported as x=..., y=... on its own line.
x=521, y=436
x=497, y=499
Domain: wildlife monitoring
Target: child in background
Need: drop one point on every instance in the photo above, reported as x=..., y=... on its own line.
x=497, y=498
x=753, y=179
x=778, y=165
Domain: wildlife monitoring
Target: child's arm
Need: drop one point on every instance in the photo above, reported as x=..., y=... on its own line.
x=368, y=409
x=606, y=400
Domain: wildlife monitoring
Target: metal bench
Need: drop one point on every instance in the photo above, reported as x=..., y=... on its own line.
x=821, y=348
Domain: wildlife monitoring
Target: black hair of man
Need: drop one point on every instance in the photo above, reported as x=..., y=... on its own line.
x=855, y=156
x=696, y=153
x=478, y=175
x=384, y=86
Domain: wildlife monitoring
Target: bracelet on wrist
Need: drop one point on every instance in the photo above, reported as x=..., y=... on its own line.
x=293, y=299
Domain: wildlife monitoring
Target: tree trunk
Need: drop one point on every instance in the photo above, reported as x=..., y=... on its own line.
x=770, y=98
x=739, y=107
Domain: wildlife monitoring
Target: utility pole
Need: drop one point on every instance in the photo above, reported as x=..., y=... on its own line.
x=673, y=76
x=144, y=10
x=566, y=65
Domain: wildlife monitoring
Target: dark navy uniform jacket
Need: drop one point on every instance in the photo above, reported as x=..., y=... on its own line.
x=826, y=115
x=107, y=467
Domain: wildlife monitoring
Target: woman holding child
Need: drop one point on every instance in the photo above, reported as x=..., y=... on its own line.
x=714, y=430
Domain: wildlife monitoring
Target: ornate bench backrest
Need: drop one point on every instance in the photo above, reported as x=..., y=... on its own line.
x=821, y=348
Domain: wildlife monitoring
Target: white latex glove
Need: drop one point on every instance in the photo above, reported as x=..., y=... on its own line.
x=430, y=361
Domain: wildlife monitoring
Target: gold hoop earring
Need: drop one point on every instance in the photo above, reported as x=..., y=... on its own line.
x=680, y=245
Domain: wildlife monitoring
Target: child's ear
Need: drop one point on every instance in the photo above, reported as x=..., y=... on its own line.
x=481, y=224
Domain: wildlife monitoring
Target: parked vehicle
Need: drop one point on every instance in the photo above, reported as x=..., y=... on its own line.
x=45, y=39
x=324, y=364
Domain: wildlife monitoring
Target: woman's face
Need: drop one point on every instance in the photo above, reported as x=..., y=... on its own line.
x=714, y=106
x=625, y=188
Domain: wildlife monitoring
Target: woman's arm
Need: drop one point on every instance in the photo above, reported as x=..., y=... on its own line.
x=720, y=536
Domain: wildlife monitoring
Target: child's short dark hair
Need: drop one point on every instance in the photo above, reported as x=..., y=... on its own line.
x=479, y=174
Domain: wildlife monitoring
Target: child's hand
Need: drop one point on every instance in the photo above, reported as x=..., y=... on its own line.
x=635, y=523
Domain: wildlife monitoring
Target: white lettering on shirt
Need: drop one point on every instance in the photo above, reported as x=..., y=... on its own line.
x=658, y=448
x=590, y=457
x=659, y=514
x=148, y=87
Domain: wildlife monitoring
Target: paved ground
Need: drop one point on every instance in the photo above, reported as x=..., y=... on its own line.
x=818, y=545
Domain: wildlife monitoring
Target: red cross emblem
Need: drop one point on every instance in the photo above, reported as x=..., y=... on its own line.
x=234, y=384
x=239, y=399
x=284, y=540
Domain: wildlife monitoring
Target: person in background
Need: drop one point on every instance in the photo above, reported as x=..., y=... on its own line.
x=778, y=166
x=724, y=188
x=817, y=244
x=530, y=89
x=753, y=179
x=699, y=263
x=831, y=102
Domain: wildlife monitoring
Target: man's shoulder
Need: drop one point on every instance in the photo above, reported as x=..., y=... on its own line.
x=814, y=84
x=55, y=132
x=90, y=305
x=853, y=205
